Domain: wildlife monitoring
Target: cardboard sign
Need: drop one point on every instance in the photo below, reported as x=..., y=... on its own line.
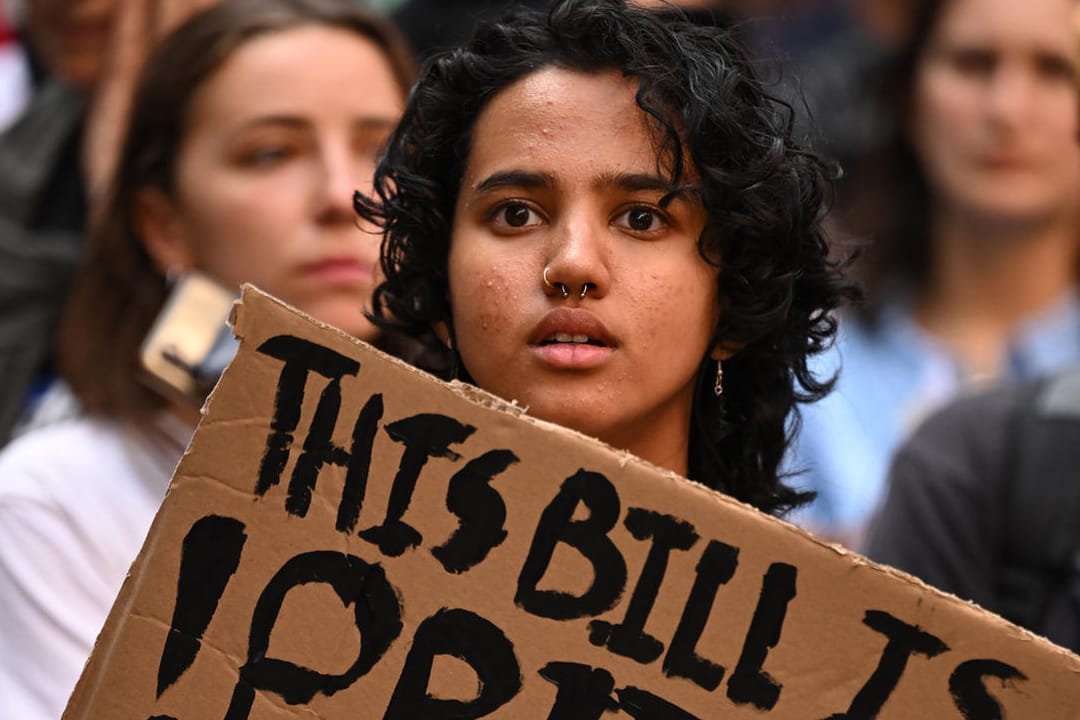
x=348, y=538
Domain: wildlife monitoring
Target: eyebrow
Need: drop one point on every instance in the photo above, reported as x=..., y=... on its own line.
x=515, y=179
x=364, y=123
x=631, y=182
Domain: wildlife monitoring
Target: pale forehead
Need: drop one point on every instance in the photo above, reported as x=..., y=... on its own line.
x=1048, y=24
x=312, y=69
x=561, y=120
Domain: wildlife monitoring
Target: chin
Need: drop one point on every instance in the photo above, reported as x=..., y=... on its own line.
x=349, y=319
x=1016, y=205
x=575, y=418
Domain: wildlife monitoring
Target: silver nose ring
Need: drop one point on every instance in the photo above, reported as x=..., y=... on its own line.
x=561, y=287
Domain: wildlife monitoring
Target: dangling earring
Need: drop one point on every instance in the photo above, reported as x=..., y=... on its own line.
x=718, y=388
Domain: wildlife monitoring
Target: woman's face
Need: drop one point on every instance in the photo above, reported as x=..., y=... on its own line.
x=276, y=142
x=995, y=109
x=563, y=175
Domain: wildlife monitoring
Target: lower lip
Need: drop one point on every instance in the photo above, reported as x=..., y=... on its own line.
x=339, y=273
x=572, y=356
x=1004, y=164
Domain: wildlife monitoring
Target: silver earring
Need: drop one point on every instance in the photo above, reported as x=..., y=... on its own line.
x=585, y=289
x=718, y=388
x=561, y=287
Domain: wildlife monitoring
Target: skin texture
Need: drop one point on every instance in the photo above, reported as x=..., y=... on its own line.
x=550, y=183
x=995, y=111
x=277, y=141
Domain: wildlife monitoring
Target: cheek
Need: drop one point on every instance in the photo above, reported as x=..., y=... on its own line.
x=1062, y=118
x=484, y=291
x=938, y=122
x=236, y=253
x=485, y=298
x=237, y=232
x=680, y=309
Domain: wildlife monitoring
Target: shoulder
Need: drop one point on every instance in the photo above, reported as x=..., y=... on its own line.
x=955, y=463
x=52, y=448
x=973, y=428
x=87, y=456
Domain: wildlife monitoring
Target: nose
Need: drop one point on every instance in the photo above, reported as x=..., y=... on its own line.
x=578, y=259
x=342, y=174
x=1009, y=95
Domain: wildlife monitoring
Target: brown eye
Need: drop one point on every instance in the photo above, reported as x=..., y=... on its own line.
x=645, y=221
x=640, y=219
x=516, y=215
x=512, y=216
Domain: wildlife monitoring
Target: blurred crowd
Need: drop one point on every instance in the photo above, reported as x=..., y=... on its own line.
x=950, y=126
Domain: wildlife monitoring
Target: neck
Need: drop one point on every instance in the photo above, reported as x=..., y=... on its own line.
x=664, y=442
x=186, y=412
x=990, y=275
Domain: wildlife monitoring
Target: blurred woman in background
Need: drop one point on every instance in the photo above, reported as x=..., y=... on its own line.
x=971, y=223
x=251, y=128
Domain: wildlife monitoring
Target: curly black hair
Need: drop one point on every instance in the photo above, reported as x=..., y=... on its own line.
x=765, y=198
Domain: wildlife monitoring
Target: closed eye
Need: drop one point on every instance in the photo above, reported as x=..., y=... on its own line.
x=266, y=156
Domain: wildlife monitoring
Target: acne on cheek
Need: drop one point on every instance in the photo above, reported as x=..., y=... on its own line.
x=495, y=296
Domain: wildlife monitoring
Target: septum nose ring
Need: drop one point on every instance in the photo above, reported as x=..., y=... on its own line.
x=564, y=290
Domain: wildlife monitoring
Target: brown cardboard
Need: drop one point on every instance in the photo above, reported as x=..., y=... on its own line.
x=772, y=624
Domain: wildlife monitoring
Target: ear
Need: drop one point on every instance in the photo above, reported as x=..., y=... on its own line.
x=725, y=350
x=158, y=227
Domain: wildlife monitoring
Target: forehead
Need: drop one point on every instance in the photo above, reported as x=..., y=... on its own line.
x=563, y=122
x=307, y=70
x=1045, y=24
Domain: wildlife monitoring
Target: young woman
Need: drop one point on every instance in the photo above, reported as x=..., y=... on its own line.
x=253, y=125
x=972, y=222
x=599, y=213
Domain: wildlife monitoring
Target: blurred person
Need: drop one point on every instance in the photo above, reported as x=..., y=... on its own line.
x=70, y=37
x=984, y=502
x=80, y=52
x=971, y=222
x=43, y=203
x=251, y=128
x=598, y=212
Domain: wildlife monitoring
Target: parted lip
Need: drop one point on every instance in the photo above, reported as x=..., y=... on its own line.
x=571, y=321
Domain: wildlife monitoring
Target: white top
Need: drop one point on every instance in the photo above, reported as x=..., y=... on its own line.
x=76, y=500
